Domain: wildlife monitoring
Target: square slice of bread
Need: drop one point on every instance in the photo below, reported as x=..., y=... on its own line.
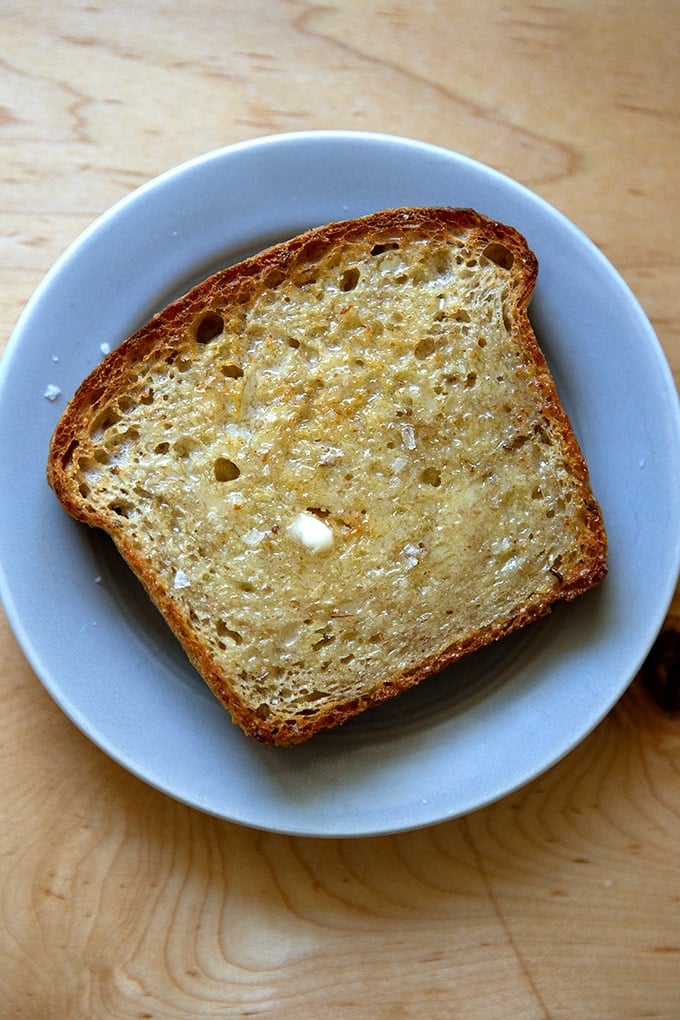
x=339, y=465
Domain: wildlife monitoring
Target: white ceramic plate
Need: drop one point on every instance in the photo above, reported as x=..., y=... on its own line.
x=460, y=740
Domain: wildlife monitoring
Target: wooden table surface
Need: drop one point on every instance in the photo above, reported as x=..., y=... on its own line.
x=560, y=901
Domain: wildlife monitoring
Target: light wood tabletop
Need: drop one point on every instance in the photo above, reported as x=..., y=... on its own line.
x=558, y=902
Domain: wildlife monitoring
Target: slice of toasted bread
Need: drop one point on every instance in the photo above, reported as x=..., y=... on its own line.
x=339, y=465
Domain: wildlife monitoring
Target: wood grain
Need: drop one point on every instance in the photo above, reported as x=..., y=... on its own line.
x=560, y=902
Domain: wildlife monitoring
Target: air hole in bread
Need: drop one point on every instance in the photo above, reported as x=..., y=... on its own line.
x=292, y=342
x=516, y=443
x=68, y=454
x=349, y=279
x=224, y=631
x=105, y=420
x=470, y=380
x=378, y=249
x=325, y=639
x=543, y=435
x=121, y=509
x=317, y=695
x=125, y=403
x=232, y=371
x=431, y=476
x=274, y=277
x=179, y=362
x=209, y=327
x=184, y=447
x=424, y=348
x=499, y=254
x=226, y=470
x=161, y=448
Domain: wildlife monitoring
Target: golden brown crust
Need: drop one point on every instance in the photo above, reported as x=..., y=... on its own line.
x=166, y=333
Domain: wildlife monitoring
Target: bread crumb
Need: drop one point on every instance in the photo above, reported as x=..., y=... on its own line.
x=52, y=392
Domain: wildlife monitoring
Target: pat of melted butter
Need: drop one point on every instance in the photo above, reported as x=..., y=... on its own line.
x=311, y=532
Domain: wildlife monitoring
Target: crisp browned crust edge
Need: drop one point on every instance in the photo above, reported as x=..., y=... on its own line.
x=235, y=285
